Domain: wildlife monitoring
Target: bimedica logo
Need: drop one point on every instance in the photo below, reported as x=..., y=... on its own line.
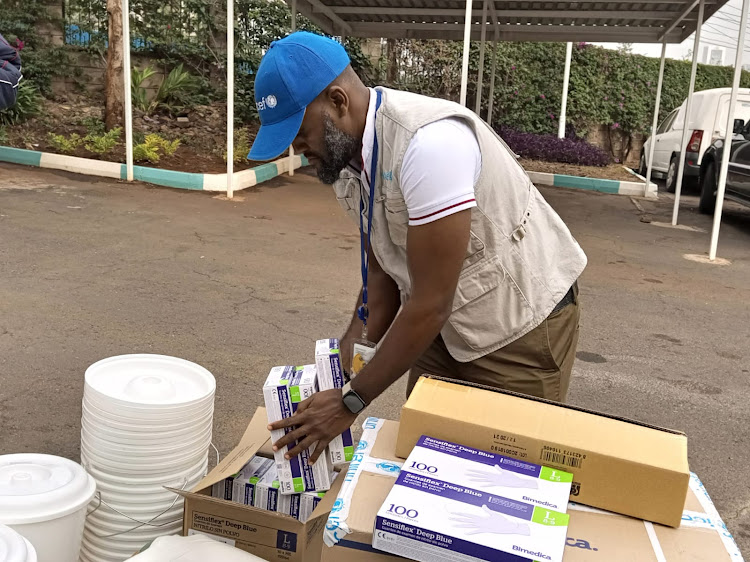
x=537, y=555
x=402, y=511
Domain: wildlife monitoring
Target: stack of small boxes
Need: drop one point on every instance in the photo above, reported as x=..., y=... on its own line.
x=292, y=487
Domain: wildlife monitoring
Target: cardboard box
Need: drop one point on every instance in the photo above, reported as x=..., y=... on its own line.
x=437, y=521
x=270, y=536
x=618, y=465
x=593, y=535
x=283, y=390
x=330, y=377
x=489, y=472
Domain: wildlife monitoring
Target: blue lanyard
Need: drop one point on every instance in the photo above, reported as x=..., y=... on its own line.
x=363, y=312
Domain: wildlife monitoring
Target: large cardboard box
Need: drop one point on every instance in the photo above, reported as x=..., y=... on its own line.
x=270, y=536
x=618, y=465
x=593, y=535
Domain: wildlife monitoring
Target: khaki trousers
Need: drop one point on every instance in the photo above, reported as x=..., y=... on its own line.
x=538, y=364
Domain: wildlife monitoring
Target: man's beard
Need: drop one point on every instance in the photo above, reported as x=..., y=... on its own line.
x=340, y=149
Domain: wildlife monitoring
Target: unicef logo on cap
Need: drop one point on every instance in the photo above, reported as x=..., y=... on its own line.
x=268, y=102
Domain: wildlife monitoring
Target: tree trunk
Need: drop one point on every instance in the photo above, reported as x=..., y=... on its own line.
x=114, y=80
x=392, y=67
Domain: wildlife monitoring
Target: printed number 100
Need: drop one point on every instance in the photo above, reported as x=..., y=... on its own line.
x=401, y=510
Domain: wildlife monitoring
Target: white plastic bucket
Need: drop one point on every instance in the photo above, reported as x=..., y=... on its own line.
x=133, y=465
x=140, y=380
x=103, y=406
x=14, y=547
x=129, y=427
x=145, y=445
x=152, y=435
x=44, y=498
x=154, y=478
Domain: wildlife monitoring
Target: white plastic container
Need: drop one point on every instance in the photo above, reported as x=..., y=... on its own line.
x=142, y=381
x=14, y=547
x=146, y=423
x=44, y=498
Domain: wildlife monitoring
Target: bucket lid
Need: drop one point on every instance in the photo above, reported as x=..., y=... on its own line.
x=150, y=379
x=15, y=548
x=36, y=487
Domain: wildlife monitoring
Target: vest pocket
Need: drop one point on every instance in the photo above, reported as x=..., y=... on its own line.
x=488, y=307
x=397, y=216
x=344, y=189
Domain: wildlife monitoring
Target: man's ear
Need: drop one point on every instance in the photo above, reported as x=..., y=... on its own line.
x=338, y=100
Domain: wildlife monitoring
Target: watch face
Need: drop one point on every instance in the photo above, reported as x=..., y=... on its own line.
x=353, y=403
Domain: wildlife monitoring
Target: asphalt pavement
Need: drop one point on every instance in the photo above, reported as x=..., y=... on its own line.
x=91, y=269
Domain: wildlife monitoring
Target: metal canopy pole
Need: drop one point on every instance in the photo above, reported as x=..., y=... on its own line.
x=729, y=132
x=566, y=82
x=128, y=96
x=491, y=100
x=294, y=28
x=688, y=113
x=230, y=99
x=480, y=73
x=656, y=117
x=467, y=47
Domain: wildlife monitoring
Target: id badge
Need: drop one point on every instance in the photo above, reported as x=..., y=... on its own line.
x=362, y=352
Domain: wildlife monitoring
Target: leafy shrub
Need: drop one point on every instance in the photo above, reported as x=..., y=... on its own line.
x=102, y=143
x=245, y=110
x=66, y=145
x=179, y=90
x=153, y=148
x=28, y=104
x=137, y=90
x=94, y=125
x=549, y=148
x=241, y=146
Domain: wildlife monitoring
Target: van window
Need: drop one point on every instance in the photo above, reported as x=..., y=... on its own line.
x=664, y=127
x=741, y=111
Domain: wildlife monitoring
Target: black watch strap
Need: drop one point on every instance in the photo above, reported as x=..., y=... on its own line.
x=353, y=401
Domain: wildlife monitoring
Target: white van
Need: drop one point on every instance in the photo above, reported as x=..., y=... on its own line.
x=707, y=123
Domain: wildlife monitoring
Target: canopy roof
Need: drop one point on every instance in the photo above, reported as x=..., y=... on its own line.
x=644, y=21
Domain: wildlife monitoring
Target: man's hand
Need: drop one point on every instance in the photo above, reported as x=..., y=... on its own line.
x=317, y=421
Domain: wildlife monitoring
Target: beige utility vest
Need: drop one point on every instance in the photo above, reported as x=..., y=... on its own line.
x=521, y=259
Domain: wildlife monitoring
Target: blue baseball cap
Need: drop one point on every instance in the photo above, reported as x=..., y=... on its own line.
x=293, y=72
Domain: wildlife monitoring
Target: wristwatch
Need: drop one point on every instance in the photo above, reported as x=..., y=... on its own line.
x=352, y=400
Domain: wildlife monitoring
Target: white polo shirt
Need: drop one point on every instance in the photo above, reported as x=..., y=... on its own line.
x=440, y=168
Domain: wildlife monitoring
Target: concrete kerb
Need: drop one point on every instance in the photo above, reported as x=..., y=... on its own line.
x=615, y=187
x=168, y=178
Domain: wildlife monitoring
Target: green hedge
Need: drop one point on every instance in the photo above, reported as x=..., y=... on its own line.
x=607, y=87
